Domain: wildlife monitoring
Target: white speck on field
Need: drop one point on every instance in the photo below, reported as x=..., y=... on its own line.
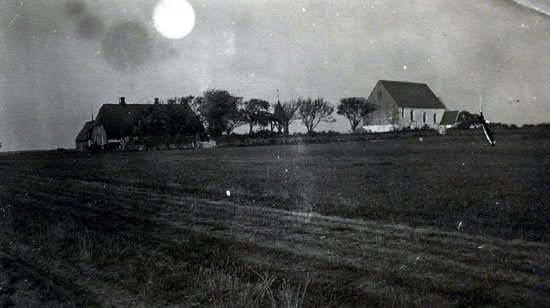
x=480, y=247
x=459, y=225
x=322, y=237
x=228, y=193
x=402, y=267
x=417, y=258
x=286, y=170
x=420, y=139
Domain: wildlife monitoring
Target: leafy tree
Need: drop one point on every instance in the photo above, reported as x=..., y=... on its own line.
x=313, y=112
x=355, y=108
x=466, y=120
x=256, y=112
x=182, y=119
x=219, y=111
x=186, y=100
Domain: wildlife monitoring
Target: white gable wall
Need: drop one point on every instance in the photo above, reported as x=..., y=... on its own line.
x=418, y=120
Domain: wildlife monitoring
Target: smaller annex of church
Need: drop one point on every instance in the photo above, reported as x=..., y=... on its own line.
x=401, y=105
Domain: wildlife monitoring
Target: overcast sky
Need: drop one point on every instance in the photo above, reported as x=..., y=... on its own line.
x=58, y=59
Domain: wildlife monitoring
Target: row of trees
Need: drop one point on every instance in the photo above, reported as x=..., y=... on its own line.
x=217, y=112
x=220, y=112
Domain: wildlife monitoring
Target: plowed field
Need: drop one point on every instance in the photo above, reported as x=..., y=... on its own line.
x=446, y=221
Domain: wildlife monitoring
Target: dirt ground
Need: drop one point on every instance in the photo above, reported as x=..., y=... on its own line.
x=121, y=233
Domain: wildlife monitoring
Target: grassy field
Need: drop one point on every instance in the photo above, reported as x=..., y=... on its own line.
x=446, y=221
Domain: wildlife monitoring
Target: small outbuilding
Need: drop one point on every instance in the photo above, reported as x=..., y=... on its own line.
x=448, y=121
x=83, y=139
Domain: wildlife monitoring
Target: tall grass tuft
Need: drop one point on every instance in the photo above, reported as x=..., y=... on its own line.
x=85, y=246
x=291, y=296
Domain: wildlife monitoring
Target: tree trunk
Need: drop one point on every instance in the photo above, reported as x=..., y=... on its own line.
x=354, y=125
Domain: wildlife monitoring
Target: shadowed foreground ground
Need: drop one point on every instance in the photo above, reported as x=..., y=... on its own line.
x=357, y=224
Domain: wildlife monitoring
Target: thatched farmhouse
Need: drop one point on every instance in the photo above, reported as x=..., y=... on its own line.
x=402, y=105
x=118, y=124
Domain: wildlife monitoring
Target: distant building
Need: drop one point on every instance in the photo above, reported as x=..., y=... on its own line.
x=84, y=139
x=402, y=105
x=117, y=124
x=449, y=120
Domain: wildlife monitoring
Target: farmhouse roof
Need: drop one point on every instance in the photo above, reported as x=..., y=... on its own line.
x=83, y=134
x=449, y=118
x=412, y=95
x=119, y=119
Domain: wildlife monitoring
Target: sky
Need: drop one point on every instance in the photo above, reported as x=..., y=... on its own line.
x=61, y=60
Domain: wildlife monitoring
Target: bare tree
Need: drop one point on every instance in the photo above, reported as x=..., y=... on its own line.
x=313, y=112
x=290, y=110
x=355, y=108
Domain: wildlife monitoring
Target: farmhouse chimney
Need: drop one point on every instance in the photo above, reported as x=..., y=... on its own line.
x=156, y=100
x=122, y=101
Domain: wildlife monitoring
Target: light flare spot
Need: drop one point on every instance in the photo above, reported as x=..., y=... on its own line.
x=174, y=19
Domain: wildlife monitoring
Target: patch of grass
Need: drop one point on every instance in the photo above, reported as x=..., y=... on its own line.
x=501, y=191
x=292, y=296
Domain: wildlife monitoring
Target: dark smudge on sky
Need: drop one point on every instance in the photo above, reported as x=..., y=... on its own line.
x=90, y=27
x=126, y=45
x=74, y=8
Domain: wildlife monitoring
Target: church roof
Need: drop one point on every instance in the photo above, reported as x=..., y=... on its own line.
x=412, y=95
